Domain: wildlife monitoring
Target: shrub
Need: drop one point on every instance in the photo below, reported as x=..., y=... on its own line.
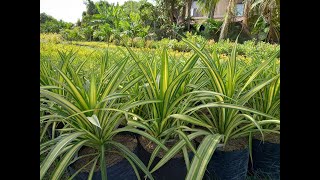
x=138, y=42
x=51, y=38
x=211, y=29
x=151, y=44
x=181, y=46
x=74, y=34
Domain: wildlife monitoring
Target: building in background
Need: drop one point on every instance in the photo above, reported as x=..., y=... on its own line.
x=219, y=12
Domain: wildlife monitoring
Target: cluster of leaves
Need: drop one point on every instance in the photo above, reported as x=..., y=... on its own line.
x=107, y=22
x=211, y=29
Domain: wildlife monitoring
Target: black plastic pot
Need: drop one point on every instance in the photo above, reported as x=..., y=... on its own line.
x=266, y=159
x=174, y=169
x=121, y=170
x=227, y=165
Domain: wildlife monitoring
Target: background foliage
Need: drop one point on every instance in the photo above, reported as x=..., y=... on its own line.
x=107, y=22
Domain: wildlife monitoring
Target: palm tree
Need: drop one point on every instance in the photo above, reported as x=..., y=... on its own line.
x=208, y=6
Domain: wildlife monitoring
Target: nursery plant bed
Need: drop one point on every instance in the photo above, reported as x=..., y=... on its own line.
x=266, y=156
x=174, y=169
x=117, y=166
x=229, y=162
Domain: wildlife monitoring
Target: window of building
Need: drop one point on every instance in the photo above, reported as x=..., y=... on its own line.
x=239, y=9
x=193, y=12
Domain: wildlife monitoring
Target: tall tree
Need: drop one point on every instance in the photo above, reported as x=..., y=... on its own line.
x=91, y=8
x=171, y=9
x=44, y=18
x=148, y=14
x=227, y=19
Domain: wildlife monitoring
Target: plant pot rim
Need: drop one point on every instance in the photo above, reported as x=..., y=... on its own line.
x=232, y=144
x=270, y=138
x=143, y=142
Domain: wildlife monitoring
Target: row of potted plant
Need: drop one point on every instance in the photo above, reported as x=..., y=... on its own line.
x=158, y=118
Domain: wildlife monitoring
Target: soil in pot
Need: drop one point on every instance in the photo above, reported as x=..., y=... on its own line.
x=229, y=162
x=117, y=166
x=174, y=169
x=266, y=156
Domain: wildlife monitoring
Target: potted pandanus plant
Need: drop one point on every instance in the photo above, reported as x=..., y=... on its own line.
x=50, y=77
x=265, y=159
x=225, y=116
x=171, y=87
x=91, y=144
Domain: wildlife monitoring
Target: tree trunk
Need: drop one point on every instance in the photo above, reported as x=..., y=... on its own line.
x=188, y=8
x=183, y=15
x=245, y=22
x=172, y=12
x=211, y=14
x=227, y=20
x=178, y=13
x=272, y=36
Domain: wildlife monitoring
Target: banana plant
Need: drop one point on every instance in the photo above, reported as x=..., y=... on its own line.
x=91, y=109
